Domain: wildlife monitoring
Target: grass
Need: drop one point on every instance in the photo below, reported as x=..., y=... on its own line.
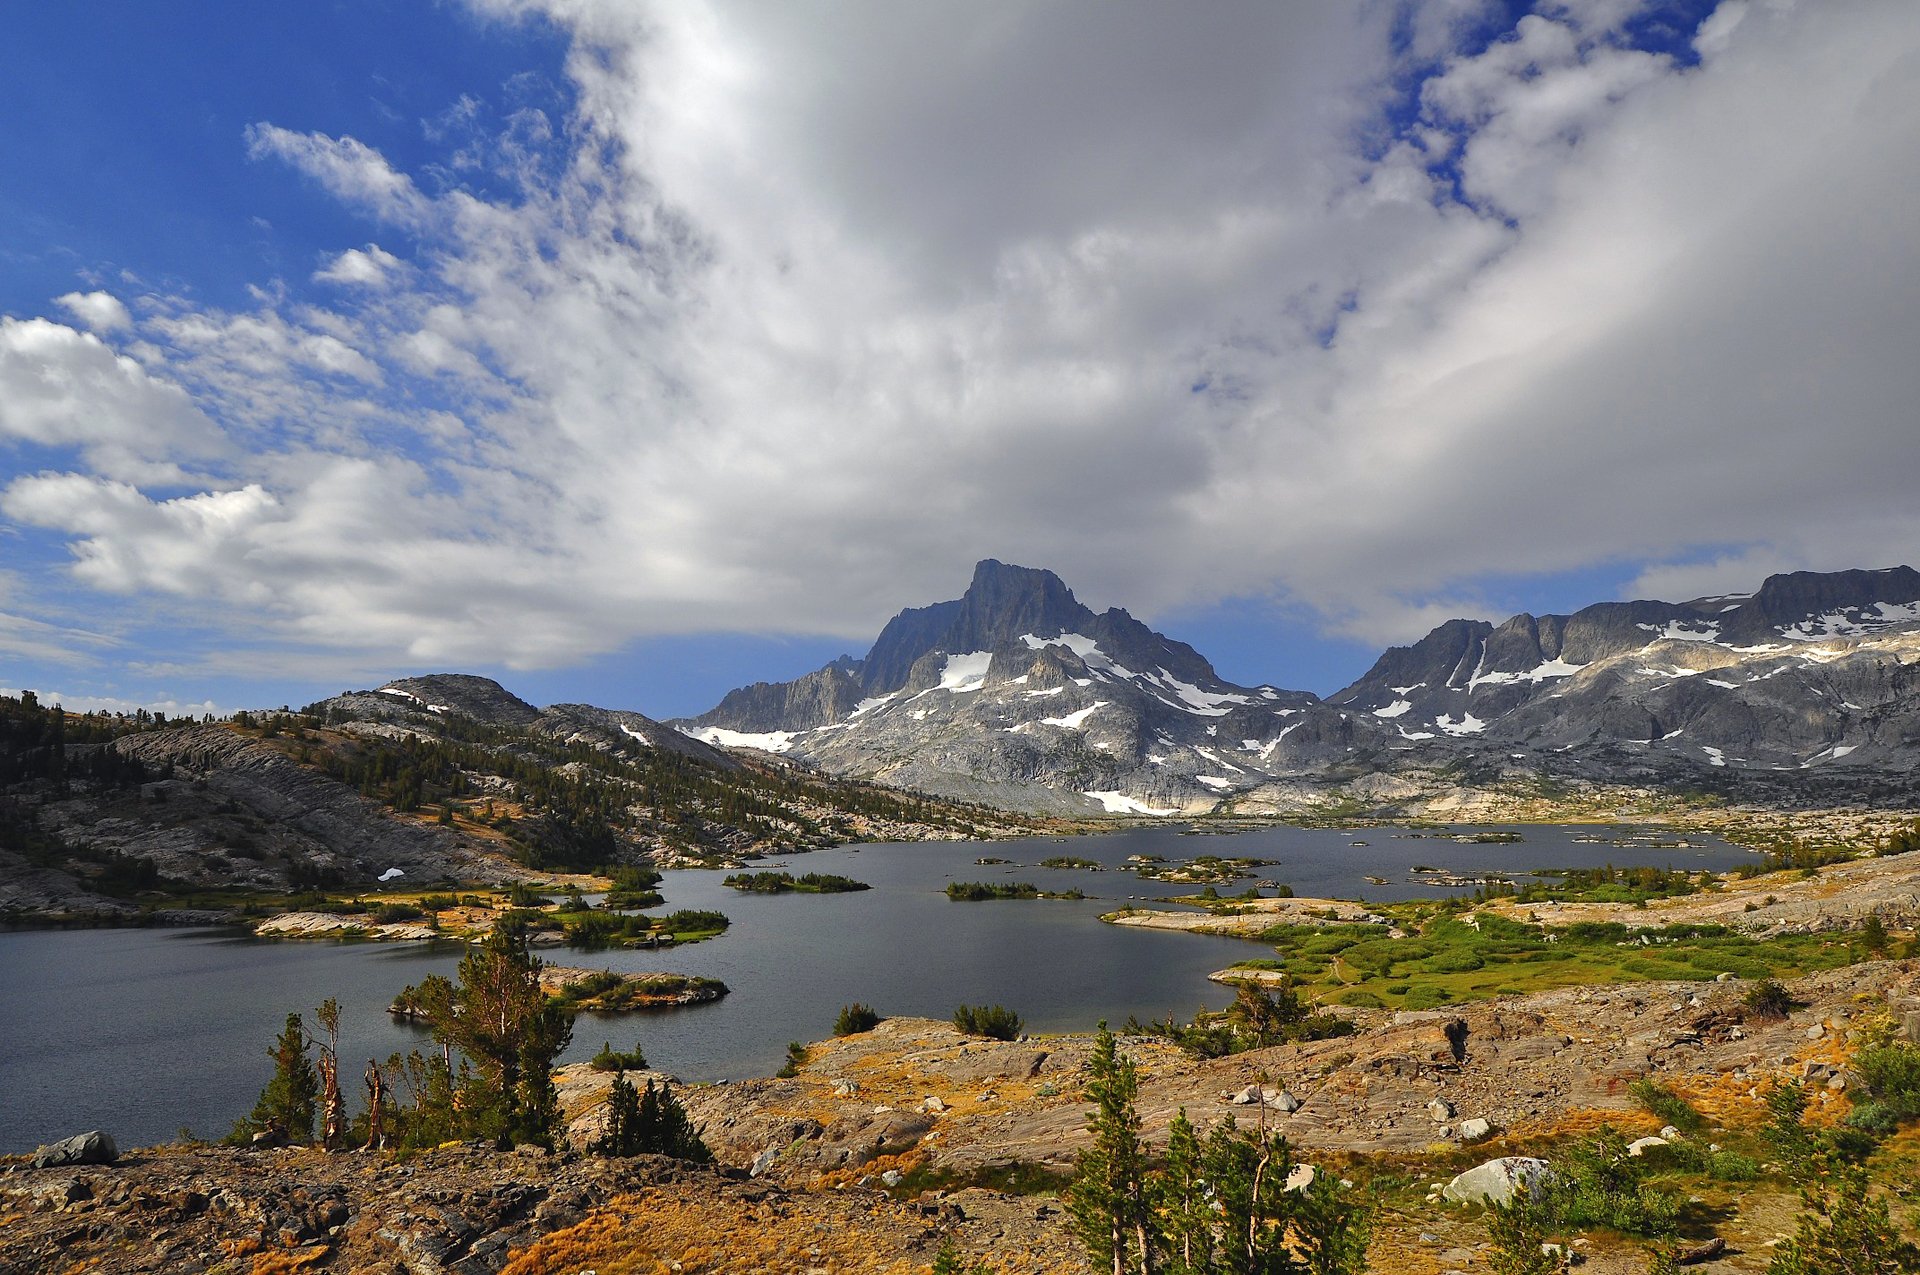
x=1447, y=960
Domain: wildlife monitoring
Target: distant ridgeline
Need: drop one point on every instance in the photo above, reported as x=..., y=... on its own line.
x=1018, y=695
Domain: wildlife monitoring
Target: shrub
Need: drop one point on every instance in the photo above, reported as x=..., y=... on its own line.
x=1767, y=999
x=610, y=1059
x=855, y=1018
x=1890, y=1075
x=1842, y=1230
x=995, y=1022
x=1598, y=1184
x=796, y=1058
x=1667, y=1105
x=390, y=913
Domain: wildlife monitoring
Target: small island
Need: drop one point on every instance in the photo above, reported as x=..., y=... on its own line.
x=980, y=891
x=593, y=991
x=787, y=883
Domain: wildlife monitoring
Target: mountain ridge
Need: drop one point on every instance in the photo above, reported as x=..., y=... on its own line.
x=1136, y=722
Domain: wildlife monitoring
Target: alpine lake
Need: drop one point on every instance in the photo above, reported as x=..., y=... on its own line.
x=149, y=1032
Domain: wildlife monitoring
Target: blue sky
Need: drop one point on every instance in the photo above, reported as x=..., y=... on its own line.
x=633, y=352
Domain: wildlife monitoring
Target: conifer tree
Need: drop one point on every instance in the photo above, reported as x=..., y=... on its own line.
x=1108, y=1198
x=500, y=1018
x=287, y=1103
x=1186, y=1214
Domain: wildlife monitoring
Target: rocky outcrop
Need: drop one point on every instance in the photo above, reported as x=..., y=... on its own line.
x=92, y=1147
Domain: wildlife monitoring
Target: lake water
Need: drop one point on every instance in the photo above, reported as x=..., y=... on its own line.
x=143, y=1032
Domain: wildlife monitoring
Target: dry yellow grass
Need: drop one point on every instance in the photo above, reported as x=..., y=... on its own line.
x=655, y=1233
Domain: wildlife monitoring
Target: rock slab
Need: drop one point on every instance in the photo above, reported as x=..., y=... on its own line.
x=91, y=1147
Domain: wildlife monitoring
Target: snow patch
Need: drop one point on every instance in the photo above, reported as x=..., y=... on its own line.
x=1684, y=631
x=1537, y=674
x=1467, y=725
x=868, y=705
x=391, y=873
x=1725, y=686
x=631, y=732
x=1714, y=756
x=1075, y=720
x=965, y=673
x=1216, y=782
x=1051, y=690
x=1853, y=621
x=409, y=695
x=1118, y=803
x=773, y=741
x=1406, y=690
x=1394, y=709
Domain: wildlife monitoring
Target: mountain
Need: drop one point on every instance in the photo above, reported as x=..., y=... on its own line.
x=1810, y=670
x=1017, y=694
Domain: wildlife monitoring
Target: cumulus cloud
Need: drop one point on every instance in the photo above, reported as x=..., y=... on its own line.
x=369, y=267
x=63, y=388
x=804, y=310
x=100, y=311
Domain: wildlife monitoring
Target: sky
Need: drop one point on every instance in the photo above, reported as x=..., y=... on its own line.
x=631, y=352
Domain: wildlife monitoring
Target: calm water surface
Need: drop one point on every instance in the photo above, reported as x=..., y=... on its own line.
x=143, y=1032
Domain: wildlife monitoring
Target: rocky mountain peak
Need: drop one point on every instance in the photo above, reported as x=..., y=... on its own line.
x=1001, y=604
x=477, y=697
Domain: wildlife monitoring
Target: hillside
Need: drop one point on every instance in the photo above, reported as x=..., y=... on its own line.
x=422, y=782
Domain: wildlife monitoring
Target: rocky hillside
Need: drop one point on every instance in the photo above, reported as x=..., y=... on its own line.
x=1810, y=671
x=1015, y=693
x=423, y=782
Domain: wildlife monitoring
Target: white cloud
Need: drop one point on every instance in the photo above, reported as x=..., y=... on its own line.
x=817, y=306
x=369, y=267
x=100, y=311
x=63, y=388
x=169, y=705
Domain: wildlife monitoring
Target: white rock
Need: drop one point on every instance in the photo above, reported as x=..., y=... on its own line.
x=1639, y=1146
x=1300, y=1177
x=1497, y=1181
x=1440, y=1109
x=1475, y=1128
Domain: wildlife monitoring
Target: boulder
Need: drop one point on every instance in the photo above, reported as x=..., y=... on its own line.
x=1441, y=1110
x=1497, y=1181
x=1640, y=1146
x=1300, y=1177
x=1474, y=1128
x=1260, y=1095
x=92, y=1147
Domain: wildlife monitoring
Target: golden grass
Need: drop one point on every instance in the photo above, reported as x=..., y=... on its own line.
x=654, y=1233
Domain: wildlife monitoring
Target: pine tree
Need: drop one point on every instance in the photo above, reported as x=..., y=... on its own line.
x=1845, y=1230
x=1108, y=1198
x=650, y=1122
x=1249, y=1176
x=287, y=1103
x=1186, y=1214
x=498, y=1016
x=622, y=1135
